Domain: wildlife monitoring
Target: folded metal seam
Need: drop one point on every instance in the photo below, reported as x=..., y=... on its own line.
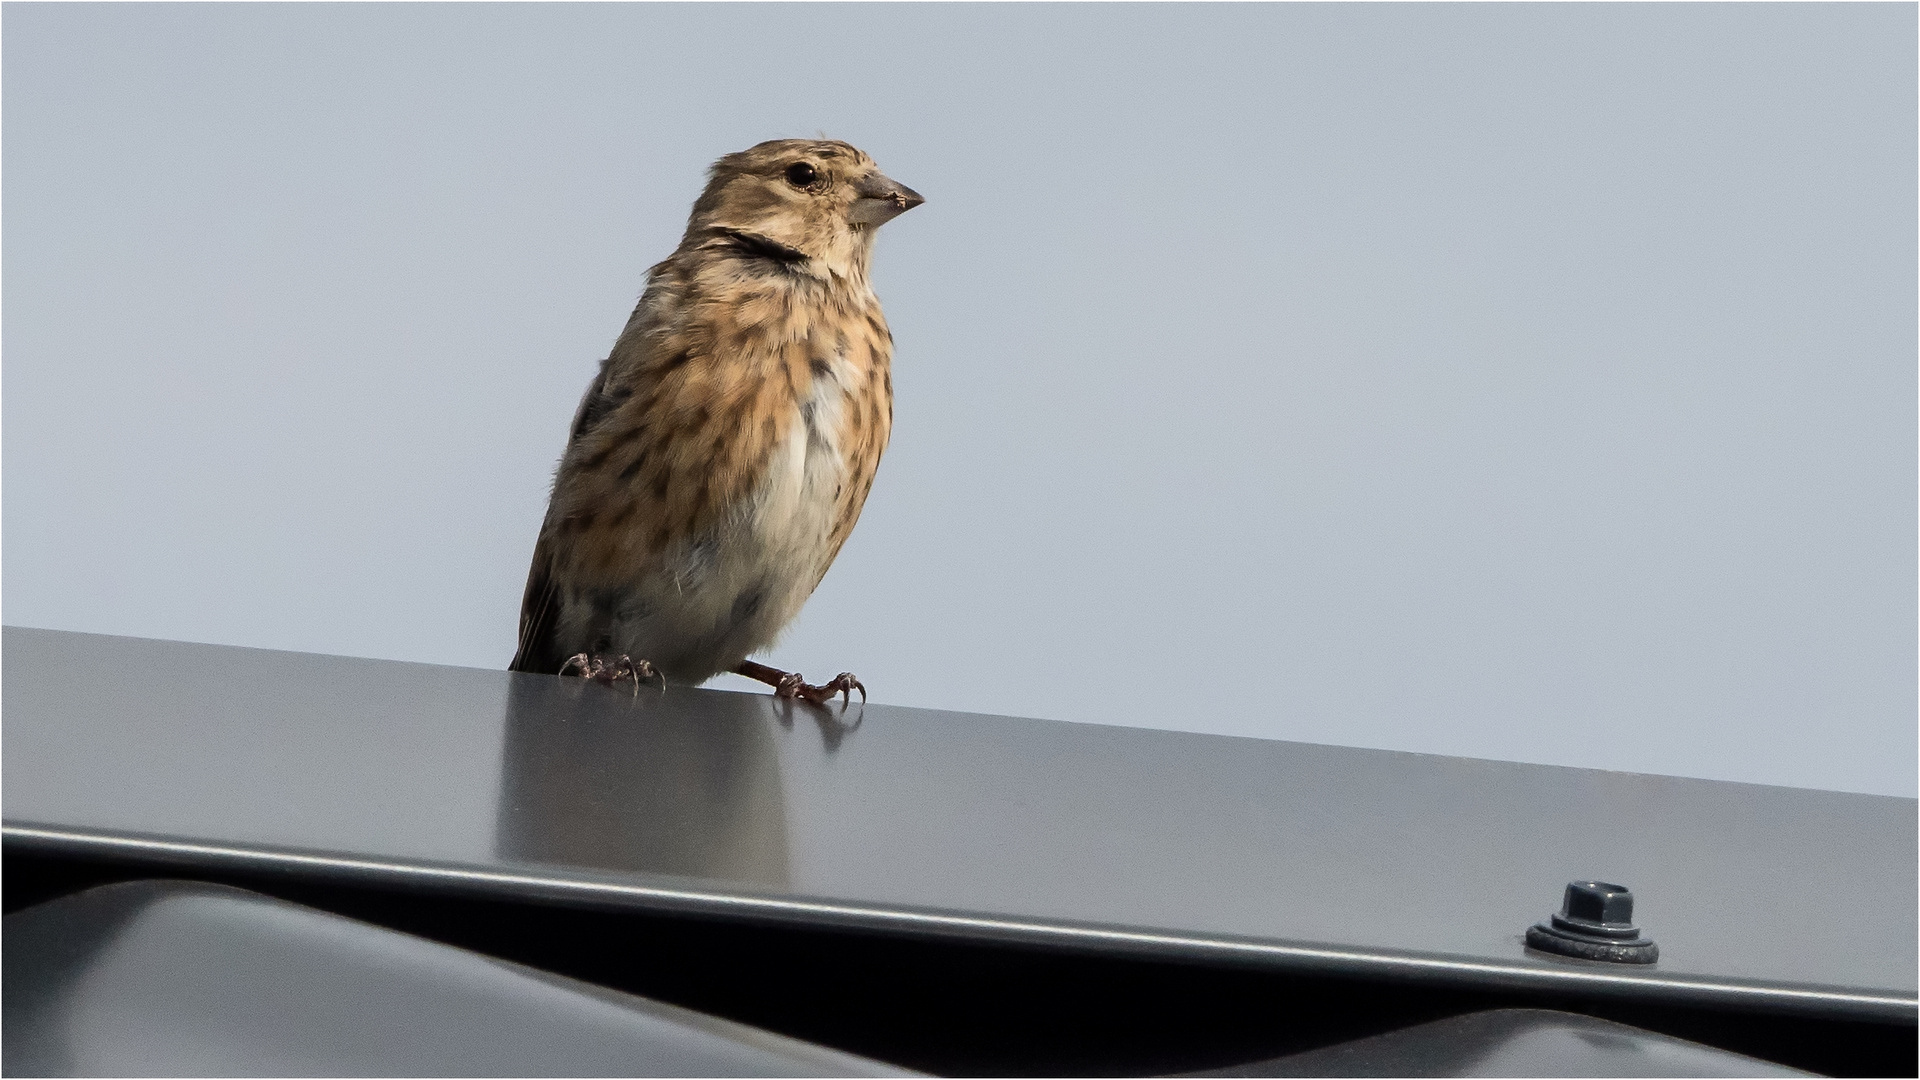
x=604, y=892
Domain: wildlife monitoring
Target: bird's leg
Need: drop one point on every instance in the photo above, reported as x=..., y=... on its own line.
x=626, y=667
x=789, y=684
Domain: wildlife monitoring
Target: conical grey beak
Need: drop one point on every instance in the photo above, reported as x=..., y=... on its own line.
x=881, y=200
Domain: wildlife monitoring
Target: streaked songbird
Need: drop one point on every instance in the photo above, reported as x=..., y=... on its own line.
x=722, y=454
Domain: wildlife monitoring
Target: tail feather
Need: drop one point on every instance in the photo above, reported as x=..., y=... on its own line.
x=539, y=607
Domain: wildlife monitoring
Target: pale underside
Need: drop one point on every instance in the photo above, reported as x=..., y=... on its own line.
x=708, y=602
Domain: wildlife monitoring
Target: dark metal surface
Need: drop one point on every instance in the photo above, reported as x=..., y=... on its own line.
x=1515, y=1042
x=1114, y=838
x=156, y=978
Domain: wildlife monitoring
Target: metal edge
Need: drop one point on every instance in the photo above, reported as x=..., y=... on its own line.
x=698, y=691
x=582, y=889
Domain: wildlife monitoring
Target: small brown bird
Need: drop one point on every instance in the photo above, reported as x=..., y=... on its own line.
x=721, y=457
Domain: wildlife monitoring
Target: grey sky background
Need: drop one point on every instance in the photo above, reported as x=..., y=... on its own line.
x=1521, y=382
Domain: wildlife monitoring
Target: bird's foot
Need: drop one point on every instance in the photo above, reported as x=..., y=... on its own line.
x=793, y=686
x=625, y=667
x=790, y=684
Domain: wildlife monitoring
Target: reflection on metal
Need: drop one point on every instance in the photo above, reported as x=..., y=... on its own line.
x=689, y=796
x=1271, y=853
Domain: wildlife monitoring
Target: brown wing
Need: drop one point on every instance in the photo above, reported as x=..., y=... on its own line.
x=539, y=604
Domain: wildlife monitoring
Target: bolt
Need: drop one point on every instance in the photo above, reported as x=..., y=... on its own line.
x=1597, y=903
x=1595, y=922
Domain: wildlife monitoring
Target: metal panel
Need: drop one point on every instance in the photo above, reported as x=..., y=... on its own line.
x=1277, y=853
x=1514, y=1042
x=179, y=979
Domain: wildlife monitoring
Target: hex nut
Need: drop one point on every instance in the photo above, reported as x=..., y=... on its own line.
x=1595, y=922
x=1597, y=902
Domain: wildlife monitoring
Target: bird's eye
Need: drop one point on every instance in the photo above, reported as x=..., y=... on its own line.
x=800, y=174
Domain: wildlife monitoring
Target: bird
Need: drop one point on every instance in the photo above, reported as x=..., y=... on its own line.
x=719, y=459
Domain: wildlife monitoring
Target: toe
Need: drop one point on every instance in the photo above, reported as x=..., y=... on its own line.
x=846, y=683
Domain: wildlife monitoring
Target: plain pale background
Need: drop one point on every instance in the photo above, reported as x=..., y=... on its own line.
x=1521, y=382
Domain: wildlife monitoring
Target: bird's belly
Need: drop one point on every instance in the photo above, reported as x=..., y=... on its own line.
x=728, y=593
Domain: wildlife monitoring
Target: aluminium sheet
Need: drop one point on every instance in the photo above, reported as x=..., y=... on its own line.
x=913, y=820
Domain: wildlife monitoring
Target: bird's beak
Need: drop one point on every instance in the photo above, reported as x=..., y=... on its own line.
x=881, y=200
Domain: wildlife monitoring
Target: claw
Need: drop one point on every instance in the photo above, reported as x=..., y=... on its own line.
x=637, y=670
x=794, y=686
x=790, y=684
x=845, y=683
x=626, y=667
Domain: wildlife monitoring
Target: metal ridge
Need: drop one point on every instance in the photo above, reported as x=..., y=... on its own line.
x=636, y=892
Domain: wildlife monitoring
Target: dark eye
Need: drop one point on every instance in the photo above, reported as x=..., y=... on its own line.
x=801, y=174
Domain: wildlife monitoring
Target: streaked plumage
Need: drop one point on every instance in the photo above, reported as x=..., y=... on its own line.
x=720, y=458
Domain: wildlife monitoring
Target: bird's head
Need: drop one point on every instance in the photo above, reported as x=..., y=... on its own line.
x=810, y=203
